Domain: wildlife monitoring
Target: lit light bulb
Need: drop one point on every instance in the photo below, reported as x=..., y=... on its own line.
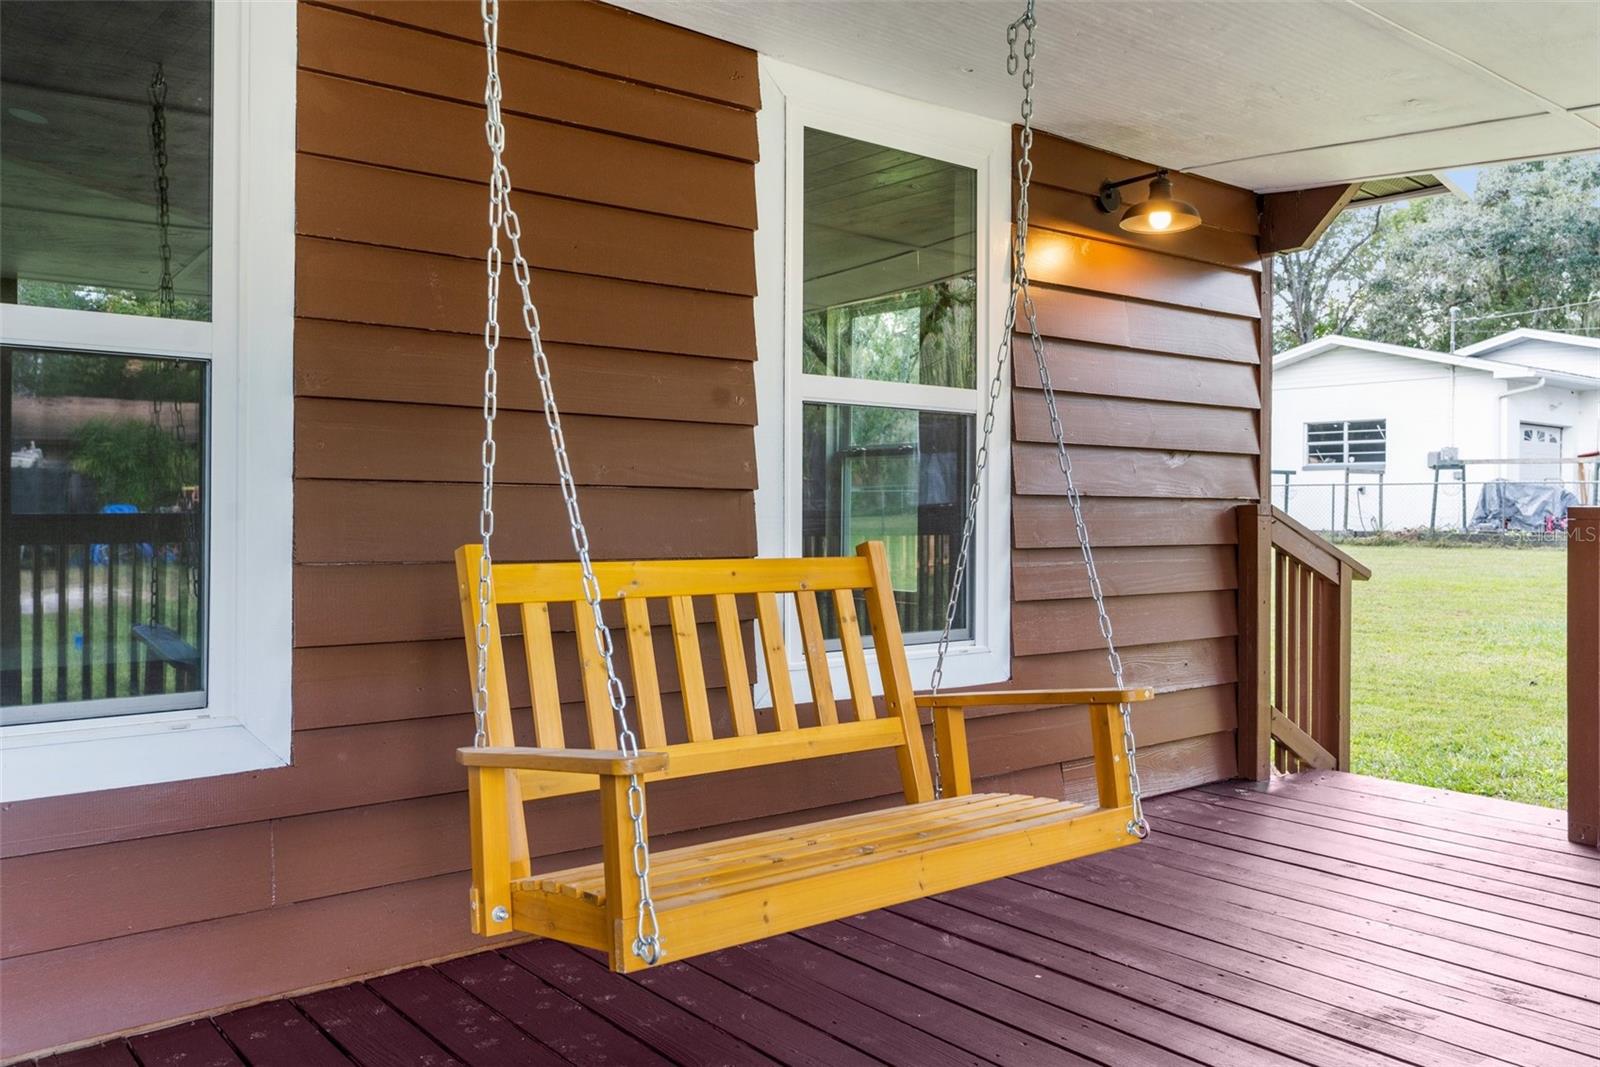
x=1159, y=220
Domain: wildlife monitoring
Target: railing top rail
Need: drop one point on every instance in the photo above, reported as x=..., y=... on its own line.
x=97, y=528
x=1280, y=517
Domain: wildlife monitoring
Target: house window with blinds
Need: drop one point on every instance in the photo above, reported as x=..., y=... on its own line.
x=1350, y=443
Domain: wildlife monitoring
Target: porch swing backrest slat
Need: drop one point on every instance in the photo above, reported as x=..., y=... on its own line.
x=534, y=587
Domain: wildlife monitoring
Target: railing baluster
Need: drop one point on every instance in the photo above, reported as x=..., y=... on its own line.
x=135, y=676
x=1308, y=642
x=62, y=613
x=155, y=669
x=37, y=625
x=111, y=619
x=179, y=623
x=86, y=622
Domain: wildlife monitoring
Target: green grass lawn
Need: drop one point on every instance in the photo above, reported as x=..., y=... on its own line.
x=1459, y=670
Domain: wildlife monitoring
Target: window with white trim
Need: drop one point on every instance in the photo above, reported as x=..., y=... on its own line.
x=881, y=251
x=1351, y=443
x=146, y=315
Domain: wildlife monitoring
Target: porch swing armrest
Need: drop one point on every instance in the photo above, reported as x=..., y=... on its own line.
x=996, y=697
x=604, y=762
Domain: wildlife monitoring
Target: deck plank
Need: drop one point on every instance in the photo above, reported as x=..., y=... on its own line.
x=1453, y=922
x=110, y=1054
x=1099, y=1023
x=1583, y=873
x=469, y=1028
x=370, y=1030
x=1418, y=818
x=1545, y=820
x=774, y=1032
x=568, y=1027
x=1213, y=838
x=277, y=1035
x=952, y=1020
x=659, y=1023
x=1200, y=809
x=1319, y=919
x=1199, y=1020
x=1422, y=998
x=196, y=1044
x=830, y=1008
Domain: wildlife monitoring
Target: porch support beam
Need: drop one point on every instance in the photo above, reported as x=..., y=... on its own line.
x=1255, y=629
x=1291, y=221
x=1583, y=675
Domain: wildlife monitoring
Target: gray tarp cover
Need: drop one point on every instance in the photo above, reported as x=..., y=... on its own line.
x=1521, y=505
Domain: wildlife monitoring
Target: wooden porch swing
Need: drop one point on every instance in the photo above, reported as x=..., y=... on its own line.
x=636, y=906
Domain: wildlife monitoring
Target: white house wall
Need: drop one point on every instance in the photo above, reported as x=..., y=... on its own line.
x=1572, y=411
x=1426, y=406
x=1549, y=355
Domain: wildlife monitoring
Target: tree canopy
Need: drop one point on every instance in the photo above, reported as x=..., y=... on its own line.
x=1527, y=239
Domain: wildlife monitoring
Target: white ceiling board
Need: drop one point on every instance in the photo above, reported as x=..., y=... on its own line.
x=1524, y=138
x=1515, y=41
x=1589, y=114
x=1215, y=85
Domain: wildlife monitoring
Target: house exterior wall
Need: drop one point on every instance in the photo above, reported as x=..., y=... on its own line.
x=1576, y=411
x=1569, y=409
x=633, y=144
x=1153, y=344
x=1549, y=355
x=1427, y=406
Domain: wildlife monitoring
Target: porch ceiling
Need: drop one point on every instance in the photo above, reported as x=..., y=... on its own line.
x=1267, y=96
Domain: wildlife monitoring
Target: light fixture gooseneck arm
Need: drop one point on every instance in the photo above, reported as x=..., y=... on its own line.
x=1110, y=197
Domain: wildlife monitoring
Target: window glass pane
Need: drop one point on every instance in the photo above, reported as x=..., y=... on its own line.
x=898, y=476
x=890, y=268
x=105, y=143
x=102, y=575
x=1361, y=441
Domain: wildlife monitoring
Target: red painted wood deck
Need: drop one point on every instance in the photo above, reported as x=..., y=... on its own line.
x=1332, y=919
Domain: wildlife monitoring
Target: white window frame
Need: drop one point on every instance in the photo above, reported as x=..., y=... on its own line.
x=246, y=724
x=1346, y=463
x=794, y=99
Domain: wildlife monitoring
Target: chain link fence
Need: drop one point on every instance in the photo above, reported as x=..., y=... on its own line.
x=1450, y=509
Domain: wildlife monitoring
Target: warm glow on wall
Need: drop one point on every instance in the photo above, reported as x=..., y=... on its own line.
x=1047, y=254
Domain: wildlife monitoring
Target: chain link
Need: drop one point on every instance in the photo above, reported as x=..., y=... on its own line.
x=503, y=219
x=165, y=301
x=1021, y=293
x=165, y=296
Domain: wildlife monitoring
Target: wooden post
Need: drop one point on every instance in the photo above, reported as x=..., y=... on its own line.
x=1583, y=675
x=1110, y=756
x=491, y=851
x=1255, y=629
x=950, y=737
x=1340, y=640
x=1255, y=566
x=898, y=696
x=622, y=888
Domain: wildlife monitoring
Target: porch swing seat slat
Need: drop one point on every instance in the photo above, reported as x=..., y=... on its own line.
x=724, y=892
x=787, y=880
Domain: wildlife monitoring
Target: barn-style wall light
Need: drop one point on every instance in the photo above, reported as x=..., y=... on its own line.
x=1160, y=212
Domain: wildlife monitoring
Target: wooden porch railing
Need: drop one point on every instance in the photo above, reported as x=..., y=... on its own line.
x=1583, y=675
x=74, y=591
x=1294, y=646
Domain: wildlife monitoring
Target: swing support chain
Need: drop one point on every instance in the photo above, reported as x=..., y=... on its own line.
x=1021, y=293
x=504, y=220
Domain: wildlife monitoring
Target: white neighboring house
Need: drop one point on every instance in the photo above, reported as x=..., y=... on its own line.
x=1356, y=411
